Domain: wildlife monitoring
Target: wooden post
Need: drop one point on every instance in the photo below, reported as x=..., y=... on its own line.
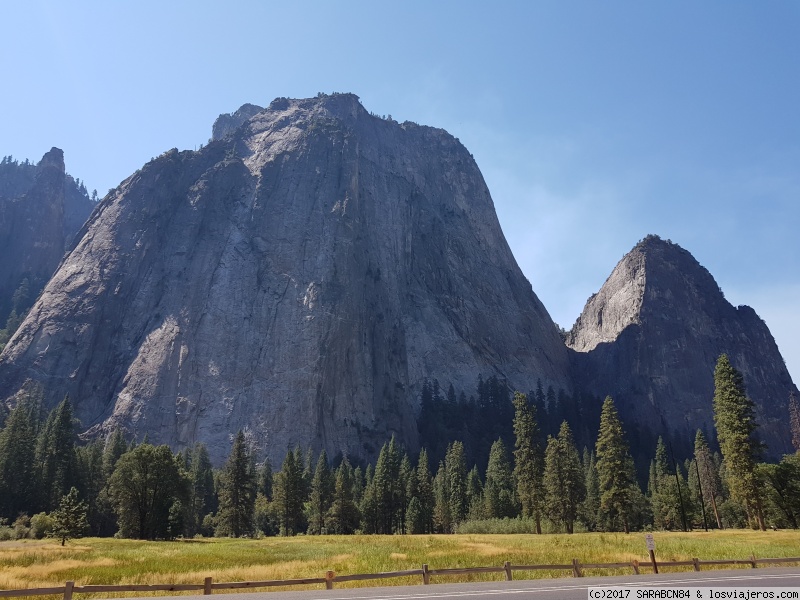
x=68, y=590
x=507, y=567
x=329, y=575
x=753, y=561
x=207, y=586
x=696, y=563
x=426, y=578
x=635, y=565
x=653, y=560
x=576, y=568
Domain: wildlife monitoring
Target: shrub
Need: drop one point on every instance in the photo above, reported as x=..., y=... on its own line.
x=41, y=525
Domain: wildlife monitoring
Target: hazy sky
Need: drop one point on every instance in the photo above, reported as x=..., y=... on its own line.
x=594, y=123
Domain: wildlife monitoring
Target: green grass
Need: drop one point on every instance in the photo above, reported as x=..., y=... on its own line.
x=30, y=564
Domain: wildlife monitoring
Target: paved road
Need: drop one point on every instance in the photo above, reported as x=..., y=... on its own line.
x=540, y=589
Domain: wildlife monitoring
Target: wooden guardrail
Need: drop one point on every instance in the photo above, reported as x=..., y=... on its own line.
x=208, y=586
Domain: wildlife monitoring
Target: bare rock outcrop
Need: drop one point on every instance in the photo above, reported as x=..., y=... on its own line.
x=41, y=210
x=651, y=338
x=297, y=278
x=227, y=124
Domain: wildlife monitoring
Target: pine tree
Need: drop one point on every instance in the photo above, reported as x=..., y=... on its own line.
x=663, y=490
x=202, y=497
x=237, y=492
x=529, y=461
x=17, y=472
x=265, y=480
x=69, y=519
x=456, y=470
x=343, y=516
x=475, y=509
x=289, y=494
x=115, y=447
x=414, y=516
x=709, y=482
x=369, y=503
x=591, y=504
x=321, y=496
x=91, y=480
x=407, y=486
x=386, y=487
x=614, y=469
x=498, y=493
x=563, y=479
x=56, y=455
x=442, y=518
x=734, y=417
x=425, y=493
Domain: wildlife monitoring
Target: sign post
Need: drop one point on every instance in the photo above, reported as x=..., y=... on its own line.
x=651, y=548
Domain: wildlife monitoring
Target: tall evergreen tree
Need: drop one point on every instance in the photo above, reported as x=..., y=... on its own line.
x=709, y=483
x=237, y=492
x=456, y=470
x=56, y=455
x=387, y=488
x=202, y=495
x=591, y=504
x=265, y=480
x=370, y=517
x=442, y=516
x=343, y=516
x=407, y=488
x=475, y=508
x=614, y=469
x=563, y=479
x=425, y=493
x=289, y=494
x=498, y=492
x=91, y=481
x=321, y=496
x=734, y=417
x=17, y=472
x=663, y=490
x=529, y=460
x=115, y=447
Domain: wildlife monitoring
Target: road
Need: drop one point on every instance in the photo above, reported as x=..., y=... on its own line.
x=539, y=589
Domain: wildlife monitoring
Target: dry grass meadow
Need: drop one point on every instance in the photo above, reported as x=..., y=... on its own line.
x=32, y=564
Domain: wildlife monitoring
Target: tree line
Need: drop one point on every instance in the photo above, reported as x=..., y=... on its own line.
x=50, y=484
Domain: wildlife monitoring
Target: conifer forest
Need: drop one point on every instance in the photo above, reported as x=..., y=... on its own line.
x=499, y=461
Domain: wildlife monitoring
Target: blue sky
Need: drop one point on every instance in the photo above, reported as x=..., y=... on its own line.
x=594, y=123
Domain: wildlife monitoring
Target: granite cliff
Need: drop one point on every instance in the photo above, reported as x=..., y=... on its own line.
x=652, y=335
x=41, y=210
x=297, y=278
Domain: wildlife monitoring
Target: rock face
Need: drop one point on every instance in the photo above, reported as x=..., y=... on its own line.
x=41, y=210
x=298, y=278
x=227, y=124
x=651, y=338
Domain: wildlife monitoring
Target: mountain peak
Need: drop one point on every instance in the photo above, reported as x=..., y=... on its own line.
x=656, y=275
x=53, y=158
x=651, y=337
x=300, y=278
